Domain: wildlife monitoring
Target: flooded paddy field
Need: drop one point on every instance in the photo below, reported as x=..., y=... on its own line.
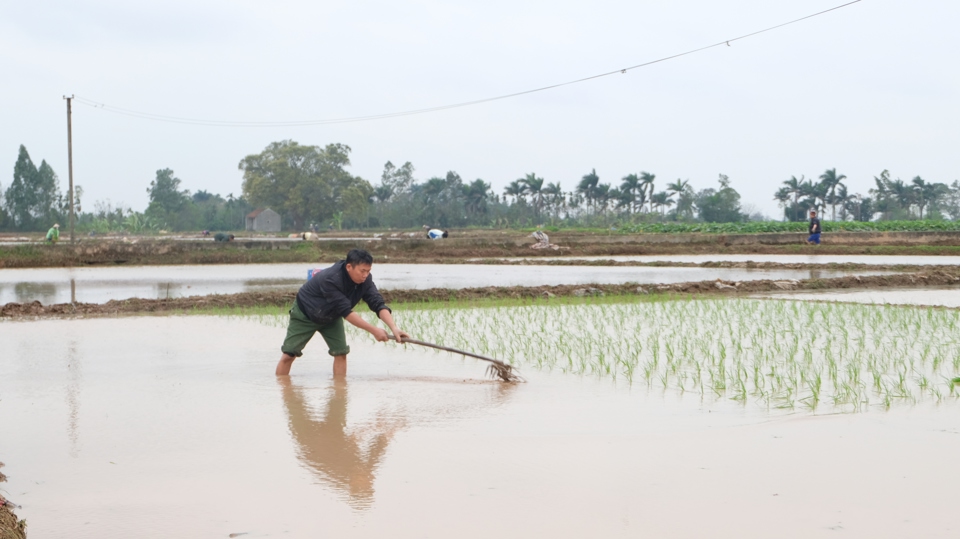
x=931, y=297
x=176, y=426
x=101, y=284
x=877, y=260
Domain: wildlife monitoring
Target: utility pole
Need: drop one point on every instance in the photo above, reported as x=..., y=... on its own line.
x=70, y=159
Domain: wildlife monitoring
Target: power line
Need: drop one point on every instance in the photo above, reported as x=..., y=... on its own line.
x=302, y=123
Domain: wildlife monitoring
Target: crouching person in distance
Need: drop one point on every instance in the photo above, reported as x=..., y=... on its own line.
x=325, y=301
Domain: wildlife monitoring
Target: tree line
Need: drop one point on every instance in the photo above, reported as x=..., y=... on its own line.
x=34, y=202
x=311, y=187
x=888, y=200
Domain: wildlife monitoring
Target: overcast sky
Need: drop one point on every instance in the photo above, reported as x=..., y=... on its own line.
x=870, y=87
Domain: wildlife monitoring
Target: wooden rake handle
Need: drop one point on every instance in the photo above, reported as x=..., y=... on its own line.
x=448, y=349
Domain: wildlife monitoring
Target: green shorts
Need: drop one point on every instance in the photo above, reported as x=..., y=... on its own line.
x=301, y=330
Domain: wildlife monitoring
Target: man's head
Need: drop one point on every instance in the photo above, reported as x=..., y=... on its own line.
x=813, y=213
x=358, y=265
x=56, y=225
x=445, y=234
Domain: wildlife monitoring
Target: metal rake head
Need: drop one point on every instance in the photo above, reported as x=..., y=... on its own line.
x=504, y=372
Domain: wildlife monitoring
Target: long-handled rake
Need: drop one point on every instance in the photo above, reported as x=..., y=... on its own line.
x=497, y=368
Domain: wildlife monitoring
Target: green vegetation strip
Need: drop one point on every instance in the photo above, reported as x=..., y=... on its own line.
x=768, y=227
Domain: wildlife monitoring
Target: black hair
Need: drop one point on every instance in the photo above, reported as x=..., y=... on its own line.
x=445, y=234
x=357, y=257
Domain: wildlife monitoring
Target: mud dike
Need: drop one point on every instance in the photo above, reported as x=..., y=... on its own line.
x=934, y=278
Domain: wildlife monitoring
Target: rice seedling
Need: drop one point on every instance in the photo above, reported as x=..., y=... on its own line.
x=776, y=354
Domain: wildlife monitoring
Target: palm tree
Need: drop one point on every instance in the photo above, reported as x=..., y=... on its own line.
x=900, y=192
x=783, y=197
x=661, y=200
x=533, y=186
x=923, y=192
x=631, y=185
x=476, y=195
x=793, y=186
x=554, y=196
x=831, y=180
x=841, y=197
x=622, y=199
x=588, y=186
x=678, y=186
x=646, y=179
x=815, y=194
x=602, y=196
x=515, y=189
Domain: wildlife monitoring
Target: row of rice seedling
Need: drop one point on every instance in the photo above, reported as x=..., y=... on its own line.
x=777, y=353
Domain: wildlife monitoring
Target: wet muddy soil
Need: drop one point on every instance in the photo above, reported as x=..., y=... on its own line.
x=126, y=422
x=101, y=284
x=10, y=526
x=152, y=251
x=937, y=278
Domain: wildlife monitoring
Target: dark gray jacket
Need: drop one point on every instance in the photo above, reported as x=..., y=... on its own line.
x=332, y=294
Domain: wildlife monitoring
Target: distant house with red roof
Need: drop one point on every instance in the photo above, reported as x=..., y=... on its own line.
x=263, y=220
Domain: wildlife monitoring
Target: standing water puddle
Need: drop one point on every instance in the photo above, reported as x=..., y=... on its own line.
x=937, y=297
x=101, y=284
x=176, y=427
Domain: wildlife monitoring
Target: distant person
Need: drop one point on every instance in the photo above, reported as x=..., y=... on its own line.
x=543, y=241
x=53, y=235
x=221, y=237
x=814, y=229
x=436, y=234
x=325, y=301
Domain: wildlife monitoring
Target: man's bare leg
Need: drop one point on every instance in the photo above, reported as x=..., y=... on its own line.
x=340, y=366
x=286, y=361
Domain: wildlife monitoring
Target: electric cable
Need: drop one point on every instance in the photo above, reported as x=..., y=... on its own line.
x=301, y=123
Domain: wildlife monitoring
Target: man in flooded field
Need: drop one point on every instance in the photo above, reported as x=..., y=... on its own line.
x=814, y=229
x=325, y=301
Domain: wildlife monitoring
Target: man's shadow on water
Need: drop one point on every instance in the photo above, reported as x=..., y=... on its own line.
x=337, y=455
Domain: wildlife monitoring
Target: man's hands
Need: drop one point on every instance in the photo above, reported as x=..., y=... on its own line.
x=379, y=334
x=388, y=320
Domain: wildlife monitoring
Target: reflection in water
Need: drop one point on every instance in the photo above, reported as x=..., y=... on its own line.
x=168, y=290
x=816, y=274
x=28, y=292
x=73, y=400
x=347, y=458
x=335, y=455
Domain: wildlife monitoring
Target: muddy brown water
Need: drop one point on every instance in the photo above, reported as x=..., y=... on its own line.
x=101, y=284
x=176, y=427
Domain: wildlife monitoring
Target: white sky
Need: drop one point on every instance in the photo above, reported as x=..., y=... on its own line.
x=868, y=87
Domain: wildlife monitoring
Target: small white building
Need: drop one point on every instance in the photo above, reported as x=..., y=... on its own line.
x=263, y=220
